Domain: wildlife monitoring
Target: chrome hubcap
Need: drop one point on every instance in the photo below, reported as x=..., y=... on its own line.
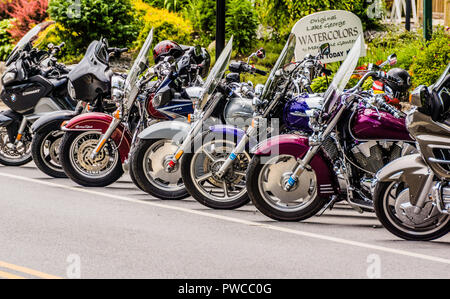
x=273, y=178
x=156, y=166
x=205, y=165
x=80, y=155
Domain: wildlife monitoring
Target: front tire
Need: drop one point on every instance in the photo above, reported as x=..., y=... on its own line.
x=198, y=170
x=14, y=155
x=148, y=169
x=45, y=151
x=75, y=151
x=392, y=206
x=264, y=186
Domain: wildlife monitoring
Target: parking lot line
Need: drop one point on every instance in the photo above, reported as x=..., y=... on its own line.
x=26, y=271
x=10, y=276
x=240, y=221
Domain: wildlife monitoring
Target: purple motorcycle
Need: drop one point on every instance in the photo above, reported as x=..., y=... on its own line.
x=293, y=177
x=214, y=170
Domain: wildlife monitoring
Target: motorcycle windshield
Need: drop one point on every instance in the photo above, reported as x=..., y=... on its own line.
x=27, y=38
x=287, y=55
x=443, y=78
x=216, y=73
x=342, y=76
x=139, y=65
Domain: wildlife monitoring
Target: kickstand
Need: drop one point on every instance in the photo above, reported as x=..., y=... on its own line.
x=330, y=205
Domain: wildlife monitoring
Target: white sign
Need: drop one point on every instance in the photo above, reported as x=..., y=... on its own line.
x=337, y=28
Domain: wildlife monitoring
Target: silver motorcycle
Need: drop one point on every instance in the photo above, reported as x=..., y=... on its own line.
x=412, y=194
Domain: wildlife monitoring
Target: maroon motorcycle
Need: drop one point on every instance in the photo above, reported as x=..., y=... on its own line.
x=293, y=177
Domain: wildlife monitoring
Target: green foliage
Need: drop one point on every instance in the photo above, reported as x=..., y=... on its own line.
x=56, y=34
x=202, y=15
x=431, y=61
x=167, y=25
x=403, y=43
x=241, y=22
x=6, y=45
x=171, y=5
x=113, y=19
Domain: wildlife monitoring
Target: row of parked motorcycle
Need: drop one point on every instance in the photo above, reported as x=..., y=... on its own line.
x=180, y=130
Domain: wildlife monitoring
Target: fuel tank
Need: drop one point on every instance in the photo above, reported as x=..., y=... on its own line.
x=297, y=111
x=368, y=124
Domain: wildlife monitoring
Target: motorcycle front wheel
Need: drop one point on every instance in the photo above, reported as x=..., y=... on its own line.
x=75, y=154
x=266, y=177
x=199, y=172
x=45, y=151
x=395, y=212
x=148, y=165
x=14, y=154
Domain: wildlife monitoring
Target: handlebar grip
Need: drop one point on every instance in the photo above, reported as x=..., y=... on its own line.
x=260, y=72
x=308, y=89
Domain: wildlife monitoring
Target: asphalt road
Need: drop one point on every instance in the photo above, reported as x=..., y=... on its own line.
x=53, y=228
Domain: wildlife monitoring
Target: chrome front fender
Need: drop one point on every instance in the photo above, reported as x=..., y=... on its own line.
x=175, y=130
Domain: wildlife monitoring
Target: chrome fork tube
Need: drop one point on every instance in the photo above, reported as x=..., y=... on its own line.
x=22, y=127
x=112, y=127
x=303, y=163
x=195, y=129
x=238, y=149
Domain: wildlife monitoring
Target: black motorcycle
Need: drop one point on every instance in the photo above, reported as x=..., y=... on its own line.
x=95, y=78
x=34, y=84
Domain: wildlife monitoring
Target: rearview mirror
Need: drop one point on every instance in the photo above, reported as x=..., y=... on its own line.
x=261, y=53
x=325, y=49
x=392, y=59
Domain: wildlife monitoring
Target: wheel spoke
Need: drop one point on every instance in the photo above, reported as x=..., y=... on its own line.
x=208, y=154
x=204, y=177
x=241, y=173
x=225, y=189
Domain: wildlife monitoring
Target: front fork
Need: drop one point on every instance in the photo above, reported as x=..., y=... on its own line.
x=303, y=164
x=21, y=131
x=112, y=127
x=23, y=126
x=195, y=129
x=251, y=131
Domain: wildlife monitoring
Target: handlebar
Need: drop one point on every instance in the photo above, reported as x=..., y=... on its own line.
x=116, y=52
x=243, y=67
x=392, y=110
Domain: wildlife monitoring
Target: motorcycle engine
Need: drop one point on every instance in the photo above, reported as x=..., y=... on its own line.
x=373, y=155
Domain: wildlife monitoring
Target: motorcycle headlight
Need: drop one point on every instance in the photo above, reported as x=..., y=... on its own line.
x=8, y=77
x=116, y=95
x=157, y=99
x=117, y=82
x=71, y=90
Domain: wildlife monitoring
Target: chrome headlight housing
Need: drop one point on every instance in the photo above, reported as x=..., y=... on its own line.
x=71, y=90
x=8, y=77
x=117, y=88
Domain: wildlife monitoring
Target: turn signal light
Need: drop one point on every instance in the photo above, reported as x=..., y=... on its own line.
x=178, y=155
x=189, y=118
